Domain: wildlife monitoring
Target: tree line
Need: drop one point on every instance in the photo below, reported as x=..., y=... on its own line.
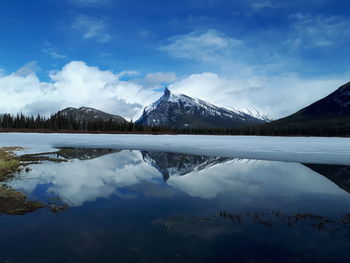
x=59, y=122
x=62, y=122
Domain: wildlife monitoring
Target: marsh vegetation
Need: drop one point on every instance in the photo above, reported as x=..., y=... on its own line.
x=13, y=202
x=9, y=162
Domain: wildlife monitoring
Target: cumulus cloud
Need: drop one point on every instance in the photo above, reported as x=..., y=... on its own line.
x=78, y=84
x=75, y=85
x=17, y=90
x=202, y=46
x=92, y=28
x=277, y=96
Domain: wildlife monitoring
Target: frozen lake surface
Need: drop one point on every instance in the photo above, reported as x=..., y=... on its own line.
x=289, y=149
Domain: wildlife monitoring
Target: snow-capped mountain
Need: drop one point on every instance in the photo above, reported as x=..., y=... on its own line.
x=181, y=111
x=175, y=164
x=89, y=114
x=254, y=113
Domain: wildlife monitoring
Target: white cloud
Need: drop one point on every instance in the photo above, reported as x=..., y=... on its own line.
x=92, y=28
x=202, y=46
x=213, y=51
x=246, y=181
x=78, y=84
x=251, y=182
x=18, y=90
x=276, y=95
x=75, y=85
x=255, y=77
x=82, y=181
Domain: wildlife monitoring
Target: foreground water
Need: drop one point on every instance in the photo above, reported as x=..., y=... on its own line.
x=151, y=206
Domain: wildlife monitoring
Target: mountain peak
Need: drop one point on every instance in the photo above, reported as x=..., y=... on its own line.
x=88, y=109
x=181, y=111
x=167, y=92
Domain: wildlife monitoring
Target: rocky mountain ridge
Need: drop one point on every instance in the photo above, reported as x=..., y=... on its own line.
x=181, y=111
x=89, y=114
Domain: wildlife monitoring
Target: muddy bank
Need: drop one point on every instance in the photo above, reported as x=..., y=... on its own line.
x=16, y=203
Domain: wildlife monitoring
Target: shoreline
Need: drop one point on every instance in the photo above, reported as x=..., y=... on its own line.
x=63, y=131
x=315, y=150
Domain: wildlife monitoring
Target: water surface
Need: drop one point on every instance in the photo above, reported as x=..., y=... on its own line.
x=150, y=206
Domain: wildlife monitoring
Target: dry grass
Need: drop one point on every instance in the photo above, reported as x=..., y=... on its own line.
x=13, y=202
x=9, y=162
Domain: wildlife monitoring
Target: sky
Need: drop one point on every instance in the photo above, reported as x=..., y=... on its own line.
x=119, y=55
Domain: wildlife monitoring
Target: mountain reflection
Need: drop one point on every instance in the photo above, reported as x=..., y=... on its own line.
x=172, y=164
x=338, y=174
x=83, y=153
x=102, y=173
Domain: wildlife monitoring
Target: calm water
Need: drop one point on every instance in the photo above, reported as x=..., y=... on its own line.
x=138, y=206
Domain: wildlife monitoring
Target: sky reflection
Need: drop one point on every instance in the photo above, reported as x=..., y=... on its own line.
x=133, y=174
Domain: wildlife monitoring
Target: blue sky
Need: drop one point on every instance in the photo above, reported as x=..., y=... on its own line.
x=276, y=56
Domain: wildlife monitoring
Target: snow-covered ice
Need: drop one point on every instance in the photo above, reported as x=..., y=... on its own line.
x=290, y=149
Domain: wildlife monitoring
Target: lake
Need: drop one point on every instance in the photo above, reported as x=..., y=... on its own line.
x=180, y=199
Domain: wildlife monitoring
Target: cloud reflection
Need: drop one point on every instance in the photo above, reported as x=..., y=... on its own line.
x=127, y=174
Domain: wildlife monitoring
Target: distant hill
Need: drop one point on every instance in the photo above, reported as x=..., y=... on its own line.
x=328, y=116
x=84, y=153
x=89, y=114
x=181, y=111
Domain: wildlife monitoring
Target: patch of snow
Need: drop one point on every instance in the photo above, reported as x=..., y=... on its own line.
x=289, y=149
